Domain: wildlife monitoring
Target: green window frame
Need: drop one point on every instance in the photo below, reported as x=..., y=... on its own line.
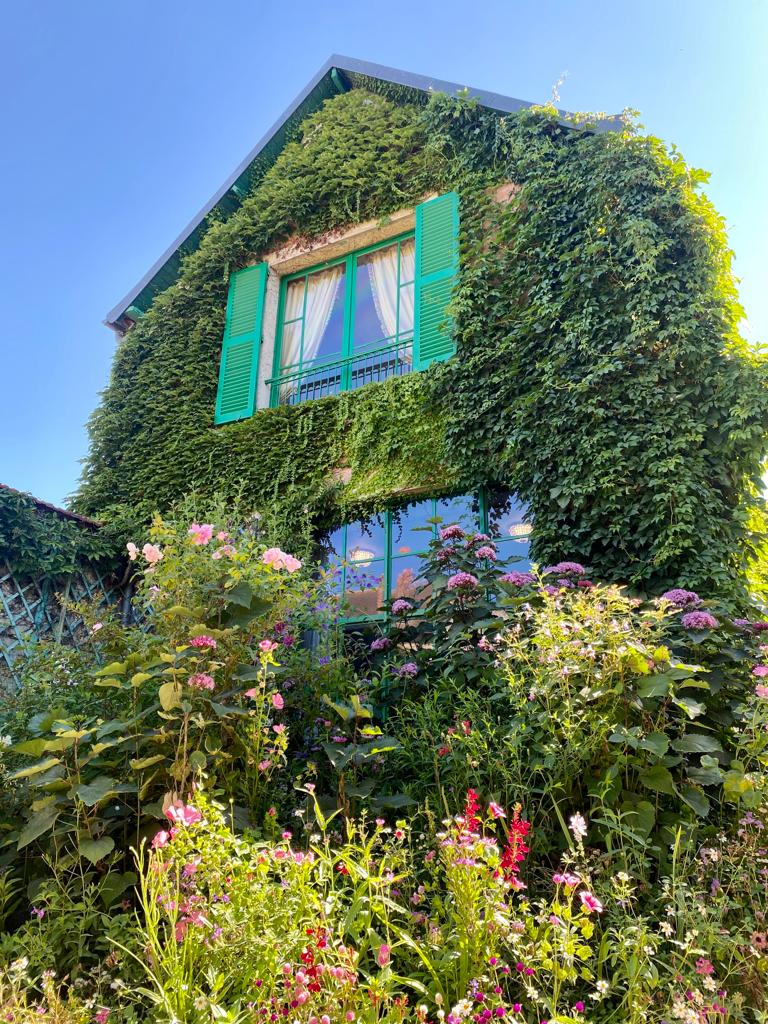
x=385, y=565
x=340, y=371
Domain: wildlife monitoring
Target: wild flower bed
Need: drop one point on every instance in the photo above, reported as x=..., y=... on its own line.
x=533, y=797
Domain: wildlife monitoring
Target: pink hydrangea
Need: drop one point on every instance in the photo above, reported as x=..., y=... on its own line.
x=200, y=533
x=182, y=814
x=566, y=569
x=381, y=643
x=682, y=598
x=761, y=690
x=461, y=581
x=453, y=532
x=400, y=606
x=280, y=560
x=410, y=668
x=486, y=551
x=203, y=641
x=760, y=670
x=201, y=681
x=517, y=579
x=699, y=620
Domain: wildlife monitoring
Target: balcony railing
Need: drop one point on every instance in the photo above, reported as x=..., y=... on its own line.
x=318, y=380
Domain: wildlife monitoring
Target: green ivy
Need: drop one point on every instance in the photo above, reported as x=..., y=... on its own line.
x=36, y=542
x=599, y=370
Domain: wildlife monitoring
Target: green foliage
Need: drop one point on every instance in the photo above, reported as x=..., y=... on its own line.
x=37, y=542
x=599, y=372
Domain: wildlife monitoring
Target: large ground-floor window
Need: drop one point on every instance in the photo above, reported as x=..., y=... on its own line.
x=379, y=558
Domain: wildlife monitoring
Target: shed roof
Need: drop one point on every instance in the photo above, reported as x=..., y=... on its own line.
x=45, y=506
x=337, y=74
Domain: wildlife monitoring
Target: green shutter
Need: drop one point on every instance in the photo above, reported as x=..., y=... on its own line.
x=236, y=397
x=437, y=264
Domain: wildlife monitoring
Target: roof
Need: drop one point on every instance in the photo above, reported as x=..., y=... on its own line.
x=338, y=74
x=45, y=506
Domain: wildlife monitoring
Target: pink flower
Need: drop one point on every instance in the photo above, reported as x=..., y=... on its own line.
x=400, y=606
x=203, y=641
x=461, y=581
x=590, y=903
x=133, y=551
x=279, y=729
x=201, y=681
x=699, y=620
x=102, y=1016
x=252, y=693
x=761, y=690
x=704, y=966
x=200, y=534
x=222, y=535
x=382, y=957
x=280, y=560
x=453, y=532
x=579, y=1007
x=486, y=552
x=183, y=814
x=495, y=811
x=264, y=765
x=226, y=551
x=566, y=878
x=161, y=839
x=96, y=627
x=152, y=553
x=760, y=670
x=277, y=701
x=517, y=579
x=267, y=646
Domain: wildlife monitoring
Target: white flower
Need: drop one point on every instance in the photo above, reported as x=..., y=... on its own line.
x=5, y=742
x=578, y=827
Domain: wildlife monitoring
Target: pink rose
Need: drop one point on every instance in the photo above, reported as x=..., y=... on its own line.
x=277, y=701
x=200, y=533
x=152, y=553
x=133, y=551
x=280, y=560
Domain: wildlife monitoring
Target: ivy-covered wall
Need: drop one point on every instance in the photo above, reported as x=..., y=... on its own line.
x=599, y=372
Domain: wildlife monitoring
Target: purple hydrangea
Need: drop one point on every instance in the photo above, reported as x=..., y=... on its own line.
x=566, y=569
x=461, y=581
x=758, y=627
x=400, y=606
x=517, y=579
x=409, y=669
x=552, y=591
x=564, y=582
x=699, y=620
x=453, y=532
x=682, y=598
x=477, y=538
x=487, y=551
x=381, y=643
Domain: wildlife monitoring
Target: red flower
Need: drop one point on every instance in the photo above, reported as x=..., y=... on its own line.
x=471, y=809
x=516, y=848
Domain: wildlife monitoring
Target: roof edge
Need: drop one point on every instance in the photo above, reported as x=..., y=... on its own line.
x=46, y=506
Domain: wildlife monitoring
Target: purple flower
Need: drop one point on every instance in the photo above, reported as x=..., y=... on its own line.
x=565, y=583
x=551, y=590
x=400, y=606
x=699, y=620
x=477, y=538
x=451, y=532
x=566, y=569
x=486, y=552
x=461, y=581
x=381, y=643
x=517, y=579
x=682, y=598
x=410, y=668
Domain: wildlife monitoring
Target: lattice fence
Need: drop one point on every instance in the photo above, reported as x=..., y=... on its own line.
x=37, y=609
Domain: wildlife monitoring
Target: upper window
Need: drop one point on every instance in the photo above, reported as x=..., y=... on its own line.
x=345, y=325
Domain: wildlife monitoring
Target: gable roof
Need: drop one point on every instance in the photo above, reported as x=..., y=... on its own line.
x=338, y=74
x=45, y=506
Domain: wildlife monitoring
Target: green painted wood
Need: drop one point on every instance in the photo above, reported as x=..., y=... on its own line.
x=437, y=266
x=236, y=397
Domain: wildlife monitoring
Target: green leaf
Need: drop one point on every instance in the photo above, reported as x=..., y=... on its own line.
x=692, y=708
x=114, y=885
x=696, y=800
x=241, y=595
x=656, y=742
x=32, y=747
x=659, y=779
x=198, y=760
x=146, y=762
x=117, y=684
x=655, y=686
x=95, y=850
x=116, y=668
x=140, y=677
x=697, y=743
x=92, y=793
x=37, y=826
x=169, y=696
x=36, y=768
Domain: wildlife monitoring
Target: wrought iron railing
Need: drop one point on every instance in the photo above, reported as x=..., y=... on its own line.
x=318, y=380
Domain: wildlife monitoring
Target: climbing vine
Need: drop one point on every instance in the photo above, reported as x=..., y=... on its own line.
x=599, y=370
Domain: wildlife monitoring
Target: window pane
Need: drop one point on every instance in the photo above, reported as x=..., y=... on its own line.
x=294, y=300
x=365, y=587
x=324, y=315
x=365, y=541
x=405, y=325
x=464, y=510
x=407, y=579
x=514, y=554
x=506, y=516
x=290, y=350
x=406, y=535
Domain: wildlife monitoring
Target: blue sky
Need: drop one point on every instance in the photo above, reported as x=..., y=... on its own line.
x=121, y=119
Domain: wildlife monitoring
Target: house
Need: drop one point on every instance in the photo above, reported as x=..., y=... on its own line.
x=414, y=302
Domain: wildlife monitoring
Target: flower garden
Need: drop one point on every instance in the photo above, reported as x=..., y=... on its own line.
x=532, y=797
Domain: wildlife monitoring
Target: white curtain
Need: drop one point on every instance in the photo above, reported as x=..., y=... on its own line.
x=384, y=285
x=321, y=295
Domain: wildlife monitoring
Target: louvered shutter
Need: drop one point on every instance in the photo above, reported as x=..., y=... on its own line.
x=437, y=264
x=236, y=397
